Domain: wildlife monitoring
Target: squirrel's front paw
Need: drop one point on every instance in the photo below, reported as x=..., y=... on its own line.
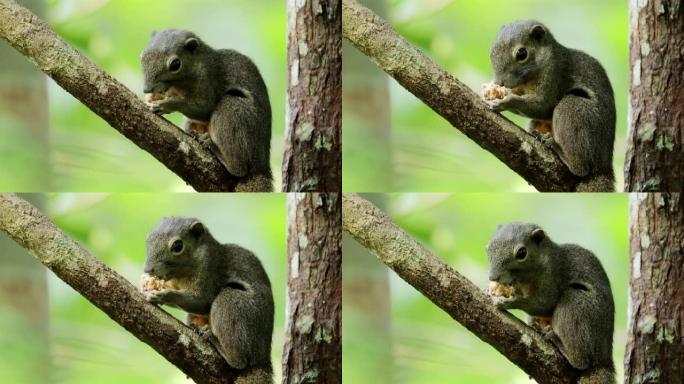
x=498, y=105
x=156, y=297
x=502, y=302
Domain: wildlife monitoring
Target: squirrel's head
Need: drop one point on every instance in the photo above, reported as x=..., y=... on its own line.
x=515, y=252
x=168, y=59
x=520, y=51
x=172, y=247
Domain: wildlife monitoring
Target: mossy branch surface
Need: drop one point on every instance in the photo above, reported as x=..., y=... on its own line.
x=454, y=101
x=453, y=293
x=111, y=100
x=111, y=292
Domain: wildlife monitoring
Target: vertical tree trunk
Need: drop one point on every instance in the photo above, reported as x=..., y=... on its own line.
x=312, y=160
x=24, y=317
x=312, y=351
x=24, y=114
x=23, y=281
x=655, y=151
x=365, y=287
x=655, y=345
x=365, y=96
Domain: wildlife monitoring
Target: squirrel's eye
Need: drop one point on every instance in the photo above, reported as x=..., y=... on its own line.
x=521, y=253
x=521, y=54
x=175, y=65
x=177, y=246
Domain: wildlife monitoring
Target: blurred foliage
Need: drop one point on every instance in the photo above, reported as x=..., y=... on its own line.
x=87, y=154
x=428, y=346
x=427, y=153
x=88, y=347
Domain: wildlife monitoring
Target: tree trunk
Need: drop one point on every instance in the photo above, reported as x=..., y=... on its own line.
x=24, y=297
x=312, y=159
x=655, y=345
x=23, y=281
x=365, y=287
x=312, y=351
x=655, y=151
x=365, y=96
x=23, y=98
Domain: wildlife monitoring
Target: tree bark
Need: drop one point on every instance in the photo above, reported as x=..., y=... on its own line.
x=655, y=147
x=313, y=351
x=454, y=101
x=112, y=293
x=111, y=100
x=313, y=158
x=655, y=345
x=453, y=293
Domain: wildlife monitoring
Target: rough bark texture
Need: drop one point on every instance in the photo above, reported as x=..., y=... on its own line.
x=111, y=100
x=112, y=293
x=313, y=157
x=655, y=344
x=454, y=101
x=313, y=349
x=655, y=146
x=453, y=293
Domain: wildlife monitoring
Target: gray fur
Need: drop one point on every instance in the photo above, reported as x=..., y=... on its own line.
x=568, y=284
x=565, y=86
x=226, y=283
x=221, y=87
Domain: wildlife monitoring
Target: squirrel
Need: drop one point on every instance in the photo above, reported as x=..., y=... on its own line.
x=223, y=287
x=565, y=92
x=223, y=97
x=564, y=290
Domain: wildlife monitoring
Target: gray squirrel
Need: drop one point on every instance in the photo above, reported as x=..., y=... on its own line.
x=564, y=290
x=223, y=96
x=567, y=95
x=223, y=287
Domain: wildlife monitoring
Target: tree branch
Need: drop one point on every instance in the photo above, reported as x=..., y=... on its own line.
x=111, y=100
x=453, y=293
x=453, y=100
x=112, y=293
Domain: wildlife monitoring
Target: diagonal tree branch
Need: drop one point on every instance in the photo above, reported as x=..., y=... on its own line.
x=111, y=100
x=453, y=293
x=453, y=100
x=112, y=293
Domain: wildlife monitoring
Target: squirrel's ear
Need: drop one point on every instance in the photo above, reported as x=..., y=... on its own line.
x=153, y=34
x=191, y=44
x=196, y=228
x=537, y=32
x=538, y=235
x=498, y=226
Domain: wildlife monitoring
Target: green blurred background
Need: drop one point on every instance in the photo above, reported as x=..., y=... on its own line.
x=71, y=341
x=81, y=152
x=410, y=340
x=405, y=146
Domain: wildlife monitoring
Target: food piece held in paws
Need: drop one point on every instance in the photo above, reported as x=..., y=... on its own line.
x=497, y=289
x=150, y=283
x=491, y=91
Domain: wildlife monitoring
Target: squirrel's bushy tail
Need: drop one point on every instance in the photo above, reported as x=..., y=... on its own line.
x=256, y=375
x=597, y=183
x=256, y=183
x=598, y=375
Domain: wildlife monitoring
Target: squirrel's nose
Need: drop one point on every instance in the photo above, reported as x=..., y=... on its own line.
x=494, y=278
x=147, y=90
x=149, y=270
